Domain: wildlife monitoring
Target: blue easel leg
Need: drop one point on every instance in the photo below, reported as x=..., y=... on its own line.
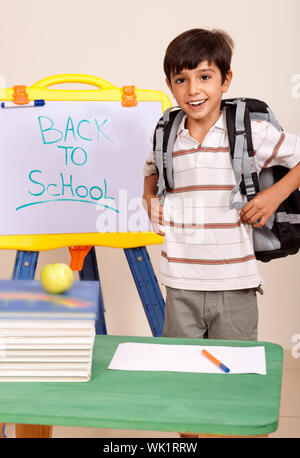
x=90, y=272
x=148, y=287
x=3, y=431
x=25, y=265
x=24, y=269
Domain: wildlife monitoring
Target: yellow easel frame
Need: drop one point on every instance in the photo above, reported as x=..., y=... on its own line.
x=105, y=92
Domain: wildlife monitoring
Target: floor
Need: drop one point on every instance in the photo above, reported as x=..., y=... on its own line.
x=289, y=420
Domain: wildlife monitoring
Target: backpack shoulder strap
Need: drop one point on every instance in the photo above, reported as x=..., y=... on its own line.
x=241, y=148
x=261, y=111
x=169, y=140
x=163, y=143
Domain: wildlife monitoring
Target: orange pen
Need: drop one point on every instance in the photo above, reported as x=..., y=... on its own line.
x=215, y=361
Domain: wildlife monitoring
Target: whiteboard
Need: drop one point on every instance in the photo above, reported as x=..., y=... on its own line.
x=75, y=167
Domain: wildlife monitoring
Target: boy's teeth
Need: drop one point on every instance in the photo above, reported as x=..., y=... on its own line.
x=197, y=103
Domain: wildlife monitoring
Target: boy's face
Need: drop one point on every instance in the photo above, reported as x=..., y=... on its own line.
x=199, y=91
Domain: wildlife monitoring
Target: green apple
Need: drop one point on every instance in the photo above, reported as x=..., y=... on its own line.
x=57, y=278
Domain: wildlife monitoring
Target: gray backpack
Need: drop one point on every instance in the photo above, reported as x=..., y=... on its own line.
x=280, y=236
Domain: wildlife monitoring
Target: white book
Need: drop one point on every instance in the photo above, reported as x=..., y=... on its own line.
x=49, y=346
x=51, y=324
x=23, y=353
x=85, y=378
x=8, y=340
x=6, y=315
x=28, y=332
x=41, y=366
x=44, y=373
x=45, y=359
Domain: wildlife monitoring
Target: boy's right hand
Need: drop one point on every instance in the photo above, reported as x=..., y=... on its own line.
x=154, y=209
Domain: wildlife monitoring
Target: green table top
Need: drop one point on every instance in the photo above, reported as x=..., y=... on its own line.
x=243, y=404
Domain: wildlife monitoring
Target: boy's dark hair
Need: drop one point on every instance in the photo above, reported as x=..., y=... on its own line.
x=195, y=46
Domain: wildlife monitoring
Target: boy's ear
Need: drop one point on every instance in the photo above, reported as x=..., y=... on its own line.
x=226, y=84
x=169, y=85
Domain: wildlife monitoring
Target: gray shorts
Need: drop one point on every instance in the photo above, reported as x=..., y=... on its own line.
x=229, y=315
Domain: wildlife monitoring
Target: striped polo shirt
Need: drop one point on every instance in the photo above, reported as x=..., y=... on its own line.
x=206, y=247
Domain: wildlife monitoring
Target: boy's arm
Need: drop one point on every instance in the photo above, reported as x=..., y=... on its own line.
x=152, y=204
x=266, y=202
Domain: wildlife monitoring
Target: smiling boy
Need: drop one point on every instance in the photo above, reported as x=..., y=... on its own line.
x=211, y=277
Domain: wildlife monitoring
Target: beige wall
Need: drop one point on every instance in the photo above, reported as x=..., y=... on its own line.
x=124, y=42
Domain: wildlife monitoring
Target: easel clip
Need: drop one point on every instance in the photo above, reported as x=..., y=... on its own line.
x=20, y=96
x=128, y=96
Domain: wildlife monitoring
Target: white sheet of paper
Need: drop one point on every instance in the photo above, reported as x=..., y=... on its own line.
x=188, y=358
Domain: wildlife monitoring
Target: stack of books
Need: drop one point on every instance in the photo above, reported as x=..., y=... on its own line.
x=47, y=337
